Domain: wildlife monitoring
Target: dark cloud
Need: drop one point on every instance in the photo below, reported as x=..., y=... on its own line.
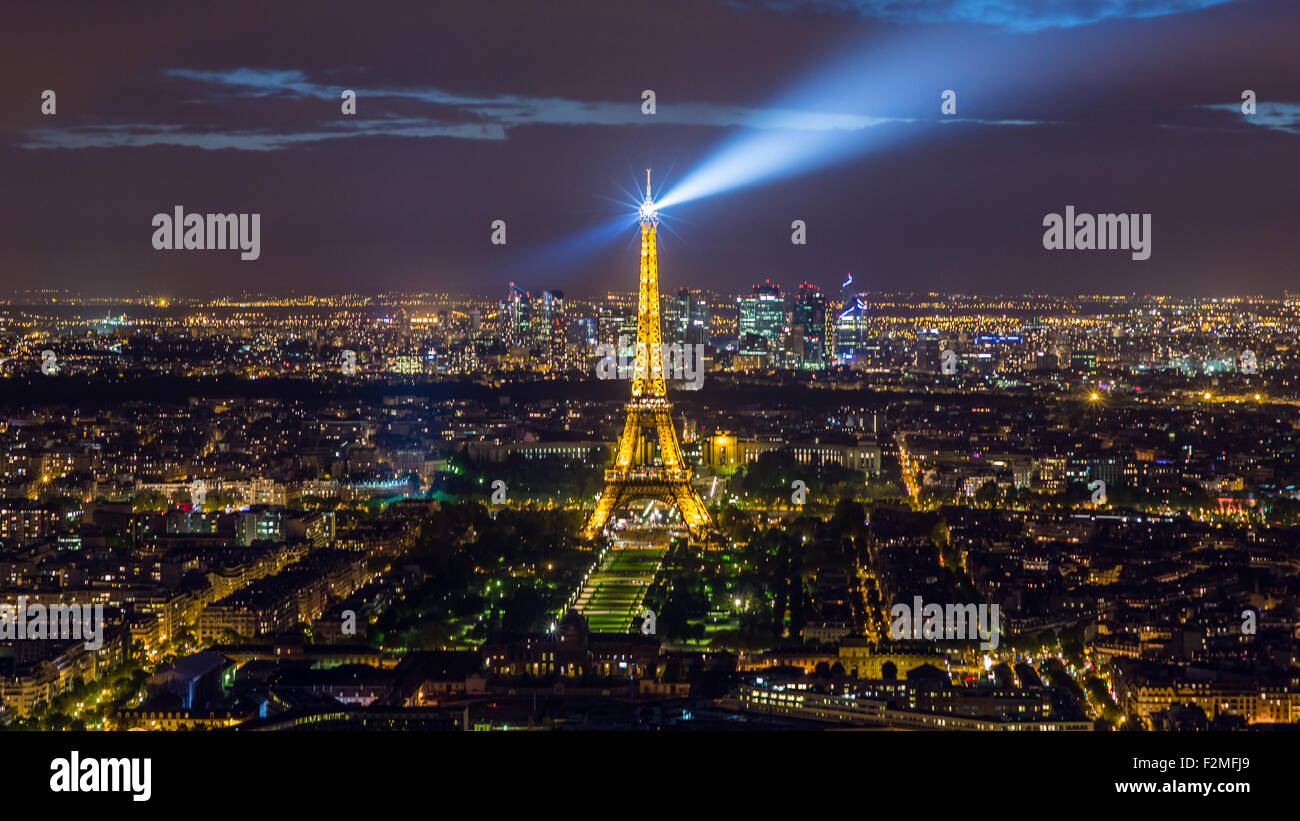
x=1015, y=15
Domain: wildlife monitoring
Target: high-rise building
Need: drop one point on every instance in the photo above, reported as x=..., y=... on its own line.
x=551, y=329
x=518, y=314
x=928, y=348
x=616, y=319
x=808, y=328
x=762, y=323
x=850, y=332
x=692, y=317
x=581, y=339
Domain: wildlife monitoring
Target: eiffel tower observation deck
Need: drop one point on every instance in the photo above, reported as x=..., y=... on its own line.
x=637, y=474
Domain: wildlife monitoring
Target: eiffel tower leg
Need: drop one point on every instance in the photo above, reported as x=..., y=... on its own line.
x=600, y=516
x=693, y=510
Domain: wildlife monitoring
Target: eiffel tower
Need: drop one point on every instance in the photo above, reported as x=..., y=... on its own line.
x=636, y=473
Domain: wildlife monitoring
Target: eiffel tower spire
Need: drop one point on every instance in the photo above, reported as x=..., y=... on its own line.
x=636, y=473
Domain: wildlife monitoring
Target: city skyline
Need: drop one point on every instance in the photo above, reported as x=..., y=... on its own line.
x=396, y=533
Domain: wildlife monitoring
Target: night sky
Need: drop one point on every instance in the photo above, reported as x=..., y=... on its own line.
x=530, y=112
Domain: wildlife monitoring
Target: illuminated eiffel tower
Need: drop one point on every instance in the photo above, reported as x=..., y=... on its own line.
x=637, y=474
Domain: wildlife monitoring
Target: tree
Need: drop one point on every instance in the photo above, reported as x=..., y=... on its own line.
x=939, y=534
x=525, y=610
x=149, y=501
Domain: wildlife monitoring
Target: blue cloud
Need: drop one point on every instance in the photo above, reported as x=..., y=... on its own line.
x=1273, y=116
x=511, y=110
x=452, y=115
x=138, y=135
x=1013, y=15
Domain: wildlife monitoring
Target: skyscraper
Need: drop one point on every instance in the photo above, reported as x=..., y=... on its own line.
x=928, y=347
x=808, y=327
x=692, y=318
x=518, y=311
x=551, y=329
x=851, y=332
x=762, y=324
